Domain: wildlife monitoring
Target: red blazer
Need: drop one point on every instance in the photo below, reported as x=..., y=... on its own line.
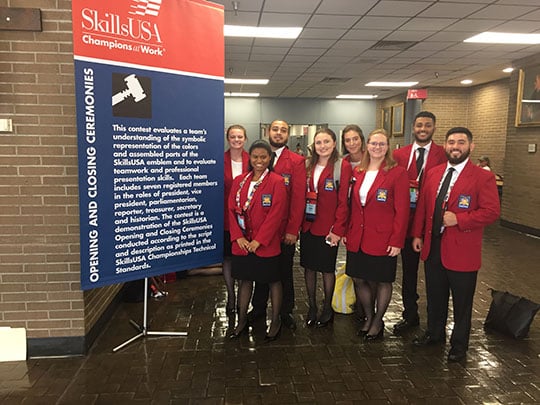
x=382, y=222
x=292, y=168
x=264, y=217
x=435, y=157
x=332, y=204
x=228, y=181
x=475, y=201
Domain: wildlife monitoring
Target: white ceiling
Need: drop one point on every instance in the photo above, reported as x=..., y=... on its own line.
x=337, y=36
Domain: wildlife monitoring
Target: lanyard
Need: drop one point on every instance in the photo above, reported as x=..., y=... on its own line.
x=250, y=195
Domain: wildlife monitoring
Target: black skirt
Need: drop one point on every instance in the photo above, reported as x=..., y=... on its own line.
x=380, y=269
x=316, y=254
x=254, y=268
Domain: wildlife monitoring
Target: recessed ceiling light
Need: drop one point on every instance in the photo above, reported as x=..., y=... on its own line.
x=246, y=81
x=505, y=38
x=233, y=94
x=261, y=32
x=392, y=84
x=358, y=96
x=466, y=81
x=508, y=70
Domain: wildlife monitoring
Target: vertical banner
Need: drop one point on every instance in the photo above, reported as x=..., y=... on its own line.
x=149, y=89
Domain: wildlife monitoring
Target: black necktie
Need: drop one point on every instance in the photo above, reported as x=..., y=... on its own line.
x=274, y=158
x=438, y=212
x=419, y=161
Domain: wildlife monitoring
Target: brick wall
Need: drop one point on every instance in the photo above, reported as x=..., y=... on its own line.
x=39, y=214
x=488, y=108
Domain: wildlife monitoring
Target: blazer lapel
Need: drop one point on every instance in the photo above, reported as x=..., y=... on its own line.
x=325, y=174
x=463, y=179
x=379, y=180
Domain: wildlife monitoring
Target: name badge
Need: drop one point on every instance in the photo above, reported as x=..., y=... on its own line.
x=286, y=178
x=382, y=194
x=329, y=184
x=311, y=206
x=241, y=221
x=464, y=201
x=413, y=196
x=267, y=200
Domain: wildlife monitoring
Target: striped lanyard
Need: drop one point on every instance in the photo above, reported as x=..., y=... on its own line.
x=250, y=195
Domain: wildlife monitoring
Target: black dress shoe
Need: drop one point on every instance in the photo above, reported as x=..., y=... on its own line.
x=455, y=355
x=268, y=338
x=239, y=332
x=362, y=333
x=325, y=319
x=311, y=318
x=288, y=321
x=426, y=340
x=405, y=325
x=378, y=336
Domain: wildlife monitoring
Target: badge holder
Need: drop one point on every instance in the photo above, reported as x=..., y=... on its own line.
x=413, y=192
x=311, y=206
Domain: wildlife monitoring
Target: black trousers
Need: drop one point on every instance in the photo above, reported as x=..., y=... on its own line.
x=261, y=291
x=409, y=260
x=439, y=283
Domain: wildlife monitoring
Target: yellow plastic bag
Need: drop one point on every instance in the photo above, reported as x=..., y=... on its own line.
x=344, y=298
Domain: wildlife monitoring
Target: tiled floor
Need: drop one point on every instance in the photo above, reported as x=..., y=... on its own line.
x=323, y=366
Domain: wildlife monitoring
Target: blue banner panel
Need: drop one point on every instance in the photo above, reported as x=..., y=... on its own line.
x=150, y=170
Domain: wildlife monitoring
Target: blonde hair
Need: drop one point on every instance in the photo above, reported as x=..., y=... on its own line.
x=389, y=162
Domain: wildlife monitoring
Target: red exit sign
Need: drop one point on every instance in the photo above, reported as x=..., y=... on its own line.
x=417, y=93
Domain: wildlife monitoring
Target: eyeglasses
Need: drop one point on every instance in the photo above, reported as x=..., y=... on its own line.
x=375, y=144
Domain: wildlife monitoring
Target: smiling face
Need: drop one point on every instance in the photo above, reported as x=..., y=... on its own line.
x=458, y=148
x=423, y=130
x=236, y=138
x=377, y=146
x=278, y=134
x=324, y=145
x=259, y=159
x=353, y=142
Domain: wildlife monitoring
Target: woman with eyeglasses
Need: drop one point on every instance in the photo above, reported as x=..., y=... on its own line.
x=257, y=212
x=236, y=161
x=324, y=222
x=377, y=228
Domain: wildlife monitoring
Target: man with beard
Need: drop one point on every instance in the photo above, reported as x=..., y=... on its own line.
x=292, y=168
x=417, y=158
x=458, y=200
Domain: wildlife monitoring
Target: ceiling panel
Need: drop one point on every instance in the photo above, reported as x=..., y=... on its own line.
x=338, y=36
x=504, y=12
x=346, y=7
x=451, y=10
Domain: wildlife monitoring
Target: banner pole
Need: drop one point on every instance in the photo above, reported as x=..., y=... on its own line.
x=143, y=329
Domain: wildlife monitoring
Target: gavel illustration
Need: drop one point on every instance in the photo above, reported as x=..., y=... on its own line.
x=133, y=88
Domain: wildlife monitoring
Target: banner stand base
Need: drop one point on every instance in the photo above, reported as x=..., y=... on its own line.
x=143, y=329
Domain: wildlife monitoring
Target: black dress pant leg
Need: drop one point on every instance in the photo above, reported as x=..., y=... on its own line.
x=437, y=291
x=410, y=260
x=462, y=285
x=259, y=301
x=286, y=260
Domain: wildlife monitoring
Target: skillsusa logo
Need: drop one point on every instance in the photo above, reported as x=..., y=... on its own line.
x=131, y=32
